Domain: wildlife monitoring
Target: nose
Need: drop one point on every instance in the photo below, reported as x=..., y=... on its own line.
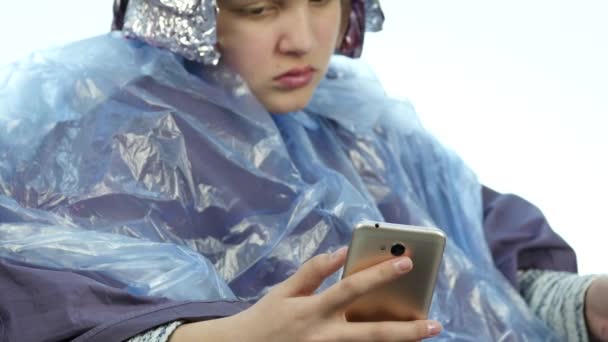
x=297, y=36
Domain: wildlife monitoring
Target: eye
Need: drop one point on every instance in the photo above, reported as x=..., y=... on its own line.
x=254, y=10
x=257, y=11
x=319, y=2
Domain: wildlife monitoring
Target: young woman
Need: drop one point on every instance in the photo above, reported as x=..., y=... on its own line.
x=194, y=177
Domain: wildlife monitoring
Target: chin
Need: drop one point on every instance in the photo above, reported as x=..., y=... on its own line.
x=287, y=104
x=284, y=109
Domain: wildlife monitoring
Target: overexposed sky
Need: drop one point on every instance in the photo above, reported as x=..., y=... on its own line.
x=518, y=88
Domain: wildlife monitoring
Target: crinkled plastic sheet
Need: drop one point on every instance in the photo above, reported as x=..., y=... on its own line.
x=140, y=266
x=118, y=161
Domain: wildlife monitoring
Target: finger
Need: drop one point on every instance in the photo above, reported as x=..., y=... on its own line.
x=362, y=282
x=388, y=331
x=311, y=274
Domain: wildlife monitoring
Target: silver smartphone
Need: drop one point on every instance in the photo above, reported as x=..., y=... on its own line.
x=408, y=297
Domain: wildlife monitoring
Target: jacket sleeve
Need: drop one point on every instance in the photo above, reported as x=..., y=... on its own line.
x=47, y=305
x=558, y=298
x=521, y=238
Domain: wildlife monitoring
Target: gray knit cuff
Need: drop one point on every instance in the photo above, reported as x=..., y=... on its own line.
x=558, y=298
x=158, y=334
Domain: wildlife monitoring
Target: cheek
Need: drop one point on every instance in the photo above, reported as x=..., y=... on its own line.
x=327, y=33
x=245, y=52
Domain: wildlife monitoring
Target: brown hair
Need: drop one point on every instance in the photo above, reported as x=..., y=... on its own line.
x=120, y=8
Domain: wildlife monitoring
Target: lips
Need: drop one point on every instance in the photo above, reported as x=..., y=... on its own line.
x=295, y=78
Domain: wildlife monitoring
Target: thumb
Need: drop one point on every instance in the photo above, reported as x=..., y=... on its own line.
x=311, y=274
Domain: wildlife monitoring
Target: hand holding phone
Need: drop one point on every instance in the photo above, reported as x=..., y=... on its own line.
x=406, y=298
x=292, y=311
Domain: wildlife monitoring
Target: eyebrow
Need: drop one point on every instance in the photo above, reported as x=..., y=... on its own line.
x=233, y=3
x=237, y=2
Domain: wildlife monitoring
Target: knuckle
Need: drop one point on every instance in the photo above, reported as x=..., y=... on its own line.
x=387, y=272
x=421, y=330
x=349, y=286
x=317, y=304
x=381, y=274
x=317, y=264
x=315, y=269
x=299, y=312
x=379, y=333
x=306, y=268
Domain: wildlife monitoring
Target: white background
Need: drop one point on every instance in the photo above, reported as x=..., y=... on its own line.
x=518, y=88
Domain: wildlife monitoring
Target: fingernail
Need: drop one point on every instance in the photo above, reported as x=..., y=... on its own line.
x=403, y=265
x=434, y=328
x=340, y=252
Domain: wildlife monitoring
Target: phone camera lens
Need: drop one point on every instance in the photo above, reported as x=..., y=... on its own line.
x=397, y=249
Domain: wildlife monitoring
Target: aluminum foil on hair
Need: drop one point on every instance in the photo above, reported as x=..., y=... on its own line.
x=186, y=27
x=374, y=17
x=365, y=15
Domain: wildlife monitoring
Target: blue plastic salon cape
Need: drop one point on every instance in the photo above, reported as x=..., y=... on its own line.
x=119, y=162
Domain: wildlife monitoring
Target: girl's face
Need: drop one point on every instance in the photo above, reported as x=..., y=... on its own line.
x=281, y=48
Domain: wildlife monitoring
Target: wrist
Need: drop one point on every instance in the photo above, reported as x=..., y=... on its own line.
x=211, y=330
x=596, y=309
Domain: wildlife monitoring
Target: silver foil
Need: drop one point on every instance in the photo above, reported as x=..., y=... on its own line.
x=374, y=17
x=188, y=27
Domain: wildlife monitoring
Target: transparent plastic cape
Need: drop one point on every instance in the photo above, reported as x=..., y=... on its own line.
x=117, y=160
